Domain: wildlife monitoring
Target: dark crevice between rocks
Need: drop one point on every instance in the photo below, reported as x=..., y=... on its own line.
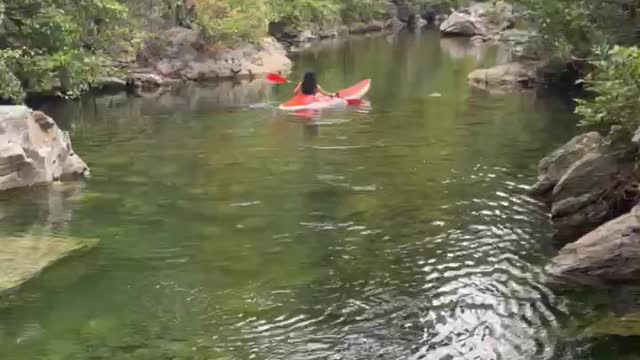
x=622, y=195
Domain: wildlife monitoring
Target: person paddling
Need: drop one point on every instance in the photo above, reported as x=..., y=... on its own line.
x=309, y=86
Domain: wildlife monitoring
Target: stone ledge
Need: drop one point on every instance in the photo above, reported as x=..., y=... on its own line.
x=24, y=258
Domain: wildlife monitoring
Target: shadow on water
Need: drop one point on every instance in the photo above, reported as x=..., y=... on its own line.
x=232, y=230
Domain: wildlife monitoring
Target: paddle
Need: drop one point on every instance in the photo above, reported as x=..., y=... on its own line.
x=277, y=79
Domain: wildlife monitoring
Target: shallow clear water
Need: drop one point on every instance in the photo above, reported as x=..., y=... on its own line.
x=229, y=230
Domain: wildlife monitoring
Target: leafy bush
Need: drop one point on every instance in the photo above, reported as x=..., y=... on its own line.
x=10, y=87
x=573, y=26
x=226, y=20
x=304, y=11
x=363, y=10
x=616, y=82
x=57, y=44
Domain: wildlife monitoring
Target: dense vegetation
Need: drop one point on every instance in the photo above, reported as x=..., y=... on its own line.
x=603, y=33
x=63, y=46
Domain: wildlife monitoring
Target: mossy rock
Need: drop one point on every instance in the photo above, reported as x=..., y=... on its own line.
x=627, y=325
x=23, y=258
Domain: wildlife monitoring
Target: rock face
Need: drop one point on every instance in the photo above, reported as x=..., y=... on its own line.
x=460, y=24
x=187, y=57
x=297, y=37
x=591, y=192
x=23, y=258
x=484, y=21
x=587, y=182
x=33, y=150
x=184, y=55
x=611, y=252
x=555, y=165
x=505, y=77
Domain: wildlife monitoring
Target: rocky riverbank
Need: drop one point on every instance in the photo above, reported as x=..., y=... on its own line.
x=590, y=181
x=34, y=151
x=591, y=186
x=501, y=24
x=183, y=55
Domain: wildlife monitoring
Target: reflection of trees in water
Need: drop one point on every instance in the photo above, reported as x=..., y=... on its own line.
x=458, y=48
x=189, y=97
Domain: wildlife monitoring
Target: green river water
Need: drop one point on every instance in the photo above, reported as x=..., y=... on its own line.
x=229, y=230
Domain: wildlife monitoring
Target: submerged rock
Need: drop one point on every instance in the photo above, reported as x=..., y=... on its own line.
x=610, y=253
x=505, y=77
x=626, y=325
x=23, y=258
x=33, y=150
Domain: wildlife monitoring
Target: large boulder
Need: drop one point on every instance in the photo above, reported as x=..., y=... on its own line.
x=485, y=21
x=591, y=192
x=609, y=253
x=554, y=166
x=33, y=150
x=459, y=24
x=505, y=77
x=187, y=56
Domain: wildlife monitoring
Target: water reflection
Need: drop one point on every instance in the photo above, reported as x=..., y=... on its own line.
x=233, y=230
x=189, y=97
x=45, y=209
x=460, y=48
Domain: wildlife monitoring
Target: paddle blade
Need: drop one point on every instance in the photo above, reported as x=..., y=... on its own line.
x=354, y=101
x=276, y=79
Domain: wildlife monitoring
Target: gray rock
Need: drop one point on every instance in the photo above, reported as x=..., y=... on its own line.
x=33, y=150
x=553, y=167
x=146, y=79
x=499, y=13
x=329, y=33
x=609, y=253
x=460, y=24
x=505, y=77
x=591, y=192
x=484, y=22
x=189, y=58
x=111, y=83
x=592, y=173
x=23, y=258
x=362, y=28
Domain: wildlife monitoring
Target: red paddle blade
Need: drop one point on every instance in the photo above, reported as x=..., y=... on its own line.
x=276, y=79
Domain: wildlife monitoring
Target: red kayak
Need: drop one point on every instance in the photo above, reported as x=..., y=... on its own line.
x=317, y=102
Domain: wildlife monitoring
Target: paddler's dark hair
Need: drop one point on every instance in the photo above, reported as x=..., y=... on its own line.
x=309, y=83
